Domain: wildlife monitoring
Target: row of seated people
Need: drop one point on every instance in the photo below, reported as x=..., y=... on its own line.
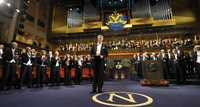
x=33, y=68
x=132, y=44
x=149, y=44
x=176, y=64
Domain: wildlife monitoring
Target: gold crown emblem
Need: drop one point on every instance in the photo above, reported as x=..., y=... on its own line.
x=116, y=18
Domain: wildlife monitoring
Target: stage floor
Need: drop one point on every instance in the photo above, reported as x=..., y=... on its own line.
x=80, y=96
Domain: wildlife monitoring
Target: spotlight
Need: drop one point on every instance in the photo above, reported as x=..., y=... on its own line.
x=17, y=10
x=28, y=1
x=2, y=1
x=8, y=4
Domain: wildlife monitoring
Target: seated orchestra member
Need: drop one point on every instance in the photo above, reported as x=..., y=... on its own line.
x=145, y=56
x=153, y=57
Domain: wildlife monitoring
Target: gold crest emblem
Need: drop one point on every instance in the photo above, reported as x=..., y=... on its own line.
x=116, y=18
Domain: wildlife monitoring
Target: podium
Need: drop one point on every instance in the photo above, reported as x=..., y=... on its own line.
x=153, y=73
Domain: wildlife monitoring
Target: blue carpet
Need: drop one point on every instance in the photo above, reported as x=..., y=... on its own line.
x=79, y=96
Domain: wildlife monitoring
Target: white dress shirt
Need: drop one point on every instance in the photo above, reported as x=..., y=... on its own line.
x=169, y=55
x=57, y=62
x=29, y=63
x=163, y=55
x=198, y=57
x=138, y=58
x=80, y=62
x=43, y=58
x=98, y=51
x=176, y=56
x=13, y=60
x=1, y=53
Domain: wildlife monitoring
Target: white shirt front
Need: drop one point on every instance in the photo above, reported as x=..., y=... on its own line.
x=68, y=62
x=198, y=57
x=43, y=58
x=163, y=55
x=1, y=53
x=138, y=58
x=144, y=58
x=98, y=51
x=13, y=60
x=57, y=62
x=176, y=56
x=178, y=51
x=80, y=62
x=169, y=55
x=29, y=63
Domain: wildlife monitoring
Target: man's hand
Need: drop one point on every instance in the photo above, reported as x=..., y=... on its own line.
x=101, y=56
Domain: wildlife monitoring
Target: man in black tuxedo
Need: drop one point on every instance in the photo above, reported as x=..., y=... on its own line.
x=198, y=61
x=1, y=66
x=164, y=60
x=10, y=57
x=98, y=53
x=180, y=66
x=56, y=65
x=49, y=60
x=26, y=69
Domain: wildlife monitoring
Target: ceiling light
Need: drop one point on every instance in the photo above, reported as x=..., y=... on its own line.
x=17, y=10
x=8, y=4
x=1, y=1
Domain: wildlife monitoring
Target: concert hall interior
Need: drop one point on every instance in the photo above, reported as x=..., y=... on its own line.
x=94, y=53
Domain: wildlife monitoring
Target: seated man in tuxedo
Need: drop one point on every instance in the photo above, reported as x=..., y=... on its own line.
x=98, y=53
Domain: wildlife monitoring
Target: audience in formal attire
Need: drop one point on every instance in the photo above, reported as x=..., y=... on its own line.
x=30, y=66
x=132, y=44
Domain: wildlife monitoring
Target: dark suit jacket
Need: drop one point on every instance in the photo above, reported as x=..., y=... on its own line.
x=39, y=61
x=97, y=62
x=8, y=55
x=25, y=59
x=104, y=51
x=53, y=62
x=194, y=56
